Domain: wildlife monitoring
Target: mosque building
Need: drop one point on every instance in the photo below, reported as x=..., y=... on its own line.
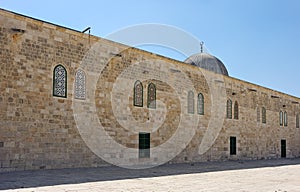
x=71, y=99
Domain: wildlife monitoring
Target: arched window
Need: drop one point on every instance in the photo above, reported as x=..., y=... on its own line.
x=285, y=119
x=138, y=94
x=236, y=110
x=280, y=118
x=200, y=104
x=80, y=80
x=258, y=114
x=151, y=96
x=59, y=81
x=229, y=109
x=191, y=102
x=297, y=120
x=263, y=115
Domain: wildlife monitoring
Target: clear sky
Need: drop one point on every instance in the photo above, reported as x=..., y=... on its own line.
x=257, y=40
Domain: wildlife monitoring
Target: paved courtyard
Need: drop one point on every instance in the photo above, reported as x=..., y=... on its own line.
x=262, y=176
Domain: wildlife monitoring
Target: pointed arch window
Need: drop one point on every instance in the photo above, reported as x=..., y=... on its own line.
x=151, y=96
x=138, y=94
x=236, y=110
x=59, y=81
x=285, y=119
x=258, y=114
x=281, y=118
x=191, y=102
x=200, y=104
x=297, y=120
x=263, y=115
x=80, y=88
x=229, y=109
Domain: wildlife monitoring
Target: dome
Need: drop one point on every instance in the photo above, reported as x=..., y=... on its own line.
x=208, y=62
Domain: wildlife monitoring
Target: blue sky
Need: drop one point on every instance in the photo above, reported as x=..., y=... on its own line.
x=257, y=40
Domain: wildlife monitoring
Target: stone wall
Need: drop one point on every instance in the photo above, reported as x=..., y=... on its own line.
x=39, y=130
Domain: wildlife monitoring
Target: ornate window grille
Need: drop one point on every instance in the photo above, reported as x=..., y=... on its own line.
x=59, y=81
x=80, y=84
x=236, y=110
x=200, y=104
x=151, y=96
x=138, y=94
x=229, y=109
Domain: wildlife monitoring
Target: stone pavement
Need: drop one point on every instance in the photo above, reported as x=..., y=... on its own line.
x=262, y=175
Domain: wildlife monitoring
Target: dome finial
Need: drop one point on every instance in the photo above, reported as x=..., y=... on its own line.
x=201, y=46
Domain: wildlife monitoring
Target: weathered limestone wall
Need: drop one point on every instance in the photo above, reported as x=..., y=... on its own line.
x=38, y=130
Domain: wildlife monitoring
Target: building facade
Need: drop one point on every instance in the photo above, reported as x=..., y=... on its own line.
x=70, y=99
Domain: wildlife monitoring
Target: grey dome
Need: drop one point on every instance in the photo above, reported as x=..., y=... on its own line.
x=208, y=62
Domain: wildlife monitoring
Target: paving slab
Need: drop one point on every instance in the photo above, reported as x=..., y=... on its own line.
x=262, y=175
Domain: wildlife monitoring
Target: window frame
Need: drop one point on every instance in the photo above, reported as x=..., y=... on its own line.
x=54, y=83
x=236, y=110
x=191, y=102
x=258, y=114
x=285, y=119
x=200, y=102
x=232, y=145
x=81, y=96
x=136, y=83
x=263, y=115
x=144, y=145
x=297, y=120
x=151, y=103
x=280, y=118
x=229, y=109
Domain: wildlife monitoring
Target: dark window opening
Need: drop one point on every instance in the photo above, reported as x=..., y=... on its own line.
x=144, y=145
x=232, y=145
x=283, y=148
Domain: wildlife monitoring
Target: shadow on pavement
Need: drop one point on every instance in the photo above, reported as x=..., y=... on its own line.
x=40, y=178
